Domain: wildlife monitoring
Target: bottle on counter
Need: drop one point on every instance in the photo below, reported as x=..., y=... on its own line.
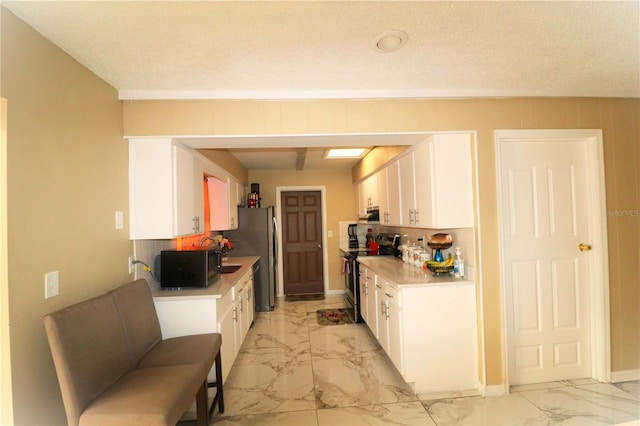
x=458, y=264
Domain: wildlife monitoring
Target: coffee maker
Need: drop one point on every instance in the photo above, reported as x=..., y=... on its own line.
x=353, y=235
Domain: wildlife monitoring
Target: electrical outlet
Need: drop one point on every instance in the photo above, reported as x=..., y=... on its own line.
x=132, y=267
x=51, y=284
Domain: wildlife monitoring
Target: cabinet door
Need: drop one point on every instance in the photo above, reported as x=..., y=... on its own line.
x=364, y=290
x=250, y=302
x=383, y=327
x=371, y=191
x=166, y=197
x=218, y=203
x=382, y=196
x=444, y=186
x=372, y=304
x=425, y=202
x=407, y=190
x=452, y=181
x=393, y=194
x=240, y=325
x=227, y=327
x=187, y=193
x=233, y=203
x=394, y=326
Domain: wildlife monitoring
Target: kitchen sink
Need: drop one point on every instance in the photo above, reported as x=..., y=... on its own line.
x=229, y=269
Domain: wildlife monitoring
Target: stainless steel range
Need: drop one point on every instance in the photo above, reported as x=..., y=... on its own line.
x=387, y=246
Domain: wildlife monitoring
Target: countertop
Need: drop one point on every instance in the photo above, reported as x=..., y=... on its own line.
x=404, y=275
x=223, y=284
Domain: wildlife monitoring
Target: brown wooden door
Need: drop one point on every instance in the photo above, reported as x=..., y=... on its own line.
x=302, y=242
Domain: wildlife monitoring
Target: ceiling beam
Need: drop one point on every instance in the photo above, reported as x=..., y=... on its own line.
x=302, y=155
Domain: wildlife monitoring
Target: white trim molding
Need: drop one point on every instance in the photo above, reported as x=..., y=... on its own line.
x=625, y=376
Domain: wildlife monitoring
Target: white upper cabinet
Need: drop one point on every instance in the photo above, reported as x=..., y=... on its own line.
x=368, y=193
x=436, y=189
x=223, y=203
x=165, y=190
x=391, y=216
x=407, y=189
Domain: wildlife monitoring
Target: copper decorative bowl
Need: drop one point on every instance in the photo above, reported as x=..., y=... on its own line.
x=440, y=241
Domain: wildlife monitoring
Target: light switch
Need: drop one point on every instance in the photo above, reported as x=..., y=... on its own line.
x=119, y=220
x=329, y=234
x=51, y=284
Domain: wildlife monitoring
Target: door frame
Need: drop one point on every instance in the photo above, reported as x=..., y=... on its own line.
x=323, y=205
x=599, y=264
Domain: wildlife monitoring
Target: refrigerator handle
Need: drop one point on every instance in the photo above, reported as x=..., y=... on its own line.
x=275, y=238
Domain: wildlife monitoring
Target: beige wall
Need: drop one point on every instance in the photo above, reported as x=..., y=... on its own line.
x=224, y=159
x=618, y=118
x=67, y=175
x=341, y=202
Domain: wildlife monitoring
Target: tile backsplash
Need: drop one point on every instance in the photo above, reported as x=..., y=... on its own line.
x=147, y=251
x=463, y=237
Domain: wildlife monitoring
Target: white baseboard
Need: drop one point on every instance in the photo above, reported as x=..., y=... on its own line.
x=334, y=292
x=491, y=390
x=625, y=375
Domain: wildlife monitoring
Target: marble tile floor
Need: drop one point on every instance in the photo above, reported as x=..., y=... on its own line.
x=292, y=371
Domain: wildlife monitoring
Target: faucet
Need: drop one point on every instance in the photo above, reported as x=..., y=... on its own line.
x=202, y=241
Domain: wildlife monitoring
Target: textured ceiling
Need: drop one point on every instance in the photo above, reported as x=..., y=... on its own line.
x=294, y=49
x=314, y=49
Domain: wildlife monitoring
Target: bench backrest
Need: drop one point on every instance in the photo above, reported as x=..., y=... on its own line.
x=139, y=318
x=89, y=349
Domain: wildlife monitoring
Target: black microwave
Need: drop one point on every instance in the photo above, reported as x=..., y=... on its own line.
x=198, y=267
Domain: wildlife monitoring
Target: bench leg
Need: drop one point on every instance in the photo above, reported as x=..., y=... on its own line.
x=202, y=405
x=219, y=398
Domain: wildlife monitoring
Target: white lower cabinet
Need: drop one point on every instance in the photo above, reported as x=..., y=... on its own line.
x=428, y=332
x=230, y=315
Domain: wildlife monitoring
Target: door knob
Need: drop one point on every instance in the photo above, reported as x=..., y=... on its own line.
x=584, y=247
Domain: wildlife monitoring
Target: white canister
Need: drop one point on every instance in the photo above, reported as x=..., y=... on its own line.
x=416, y=256
x=424, y=257
x=405, y=253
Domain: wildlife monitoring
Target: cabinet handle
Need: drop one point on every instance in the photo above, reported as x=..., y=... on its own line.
x=366, y=290
x=411, y=220
x=416, y=215
x=386, y=311
x=378, y=286
x=389, y=295
x=383, y=308
x=235, y=313
x=241, y=308
x=196, y=224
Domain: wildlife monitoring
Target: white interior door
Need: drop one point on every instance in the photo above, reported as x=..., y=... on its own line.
x=544, y=215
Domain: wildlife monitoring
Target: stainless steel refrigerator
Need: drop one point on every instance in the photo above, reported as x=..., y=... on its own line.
x=256, y=236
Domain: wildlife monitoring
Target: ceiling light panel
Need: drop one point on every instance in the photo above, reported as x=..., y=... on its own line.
x=344, y=153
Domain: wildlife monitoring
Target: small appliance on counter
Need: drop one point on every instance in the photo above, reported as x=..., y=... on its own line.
x=197, y=268
x=353, y=235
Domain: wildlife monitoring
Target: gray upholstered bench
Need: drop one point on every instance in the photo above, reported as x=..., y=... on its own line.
x=114, y=368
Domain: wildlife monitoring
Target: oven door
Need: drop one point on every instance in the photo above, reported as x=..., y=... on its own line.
x=351, y=290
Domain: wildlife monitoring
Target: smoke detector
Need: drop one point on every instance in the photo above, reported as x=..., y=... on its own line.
x=389, y=41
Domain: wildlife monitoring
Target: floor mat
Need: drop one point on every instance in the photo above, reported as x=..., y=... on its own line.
x=303, y=297
x=333, y=316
